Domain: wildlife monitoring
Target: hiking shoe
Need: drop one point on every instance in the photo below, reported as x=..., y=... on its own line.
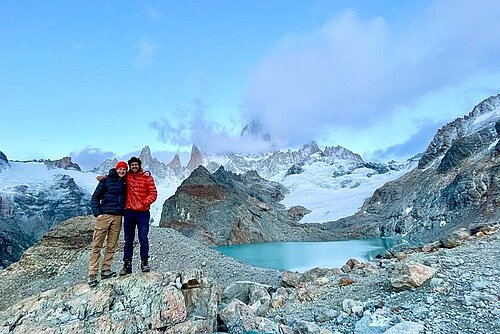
x=92, y=280
x=108, y=274
x=145, y=266
x=127, y=268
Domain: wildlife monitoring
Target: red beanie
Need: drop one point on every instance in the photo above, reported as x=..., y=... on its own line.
x=121, y=164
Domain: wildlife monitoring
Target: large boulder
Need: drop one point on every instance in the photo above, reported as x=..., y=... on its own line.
x=409, y=275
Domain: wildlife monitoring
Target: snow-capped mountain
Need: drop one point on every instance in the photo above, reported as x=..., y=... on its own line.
x=456, y=184
x=36, y=195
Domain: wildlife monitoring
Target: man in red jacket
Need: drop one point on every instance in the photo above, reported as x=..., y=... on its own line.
x=141, y=193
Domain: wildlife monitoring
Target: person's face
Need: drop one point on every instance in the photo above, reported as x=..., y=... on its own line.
x=121, y=172
x=134, y=166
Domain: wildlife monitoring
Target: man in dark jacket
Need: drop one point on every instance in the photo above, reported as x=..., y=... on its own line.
x=141, y=193
x=108, y=203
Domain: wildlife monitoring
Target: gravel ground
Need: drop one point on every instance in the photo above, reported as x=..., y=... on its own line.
x=463, y=296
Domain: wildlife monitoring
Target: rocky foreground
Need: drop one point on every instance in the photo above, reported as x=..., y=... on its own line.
x=452, y=286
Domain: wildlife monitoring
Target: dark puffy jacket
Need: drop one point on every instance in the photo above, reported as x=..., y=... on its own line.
x=110, y=195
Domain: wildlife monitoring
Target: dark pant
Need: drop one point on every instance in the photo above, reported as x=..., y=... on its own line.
x=131, y=220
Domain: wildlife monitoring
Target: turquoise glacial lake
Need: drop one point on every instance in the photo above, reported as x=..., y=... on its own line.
x=302, y=256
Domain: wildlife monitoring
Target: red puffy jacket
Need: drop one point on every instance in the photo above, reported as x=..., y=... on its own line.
x=141, y=191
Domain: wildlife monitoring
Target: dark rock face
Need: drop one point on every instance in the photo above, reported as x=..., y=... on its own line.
x=224, y=208
x=457, y=184
x=463, y=148
x=295, y=169
x=4, y=162
x=13, y=242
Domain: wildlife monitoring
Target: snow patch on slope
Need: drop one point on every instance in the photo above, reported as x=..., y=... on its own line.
x=332, y=193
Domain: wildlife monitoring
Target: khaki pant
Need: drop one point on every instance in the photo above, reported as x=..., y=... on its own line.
x=110, y=226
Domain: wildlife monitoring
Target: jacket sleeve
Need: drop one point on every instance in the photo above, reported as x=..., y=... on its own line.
x=95, y=200
x=152, y=192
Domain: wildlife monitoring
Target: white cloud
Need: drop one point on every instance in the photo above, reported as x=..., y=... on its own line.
x=192, y=127
x=353, y=75
x=90, y=157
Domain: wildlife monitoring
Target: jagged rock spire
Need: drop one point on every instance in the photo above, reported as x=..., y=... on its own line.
x=195, y=160
x=175, y=164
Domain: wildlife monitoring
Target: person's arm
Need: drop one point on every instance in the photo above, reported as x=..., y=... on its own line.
x=152, y=192
x=95, y=200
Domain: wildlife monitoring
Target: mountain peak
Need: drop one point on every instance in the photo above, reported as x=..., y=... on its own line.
x=483, y=116
x=309, y=149
x=196, y=158
x=341, y=152
x=175, y=164
x=256, y=130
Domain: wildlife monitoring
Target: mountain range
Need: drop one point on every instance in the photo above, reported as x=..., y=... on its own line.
x=454, y=183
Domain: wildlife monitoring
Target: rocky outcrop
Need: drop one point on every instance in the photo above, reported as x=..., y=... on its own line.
x=219, y=209
x=456, y=184
x=159, y=303
x=224, y=208
x=64, y=163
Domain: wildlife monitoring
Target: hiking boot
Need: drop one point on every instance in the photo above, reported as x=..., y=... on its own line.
x=92, y=280
x=145, y=266
x=108, y=274
x=127, y=268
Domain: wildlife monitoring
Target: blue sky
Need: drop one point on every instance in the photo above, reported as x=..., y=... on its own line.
x=94, y=79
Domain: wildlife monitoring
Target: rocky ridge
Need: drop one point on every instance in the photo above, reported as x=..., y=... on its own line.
x=64, y=163
x=194, y=289
x=457, y=184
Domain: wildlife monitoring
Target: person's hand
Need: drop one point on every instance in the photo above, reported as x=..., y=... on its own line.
x=100, y=177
